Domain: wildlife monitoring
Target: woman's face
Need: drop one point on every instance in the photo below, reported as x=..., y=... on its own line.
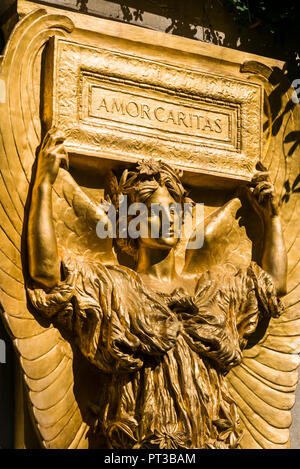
x=162, y=227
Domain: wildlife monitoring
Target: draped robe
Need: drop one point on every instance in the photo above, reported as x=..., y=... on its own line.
x=163, y=358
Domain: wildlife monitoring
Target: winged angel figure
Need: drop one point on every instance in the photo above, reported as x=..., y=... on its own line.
x=149, y=356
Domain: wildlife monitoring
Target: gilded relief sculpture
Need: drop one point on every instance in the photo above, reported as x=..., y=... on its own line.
x=125, y=341
x=162, y=340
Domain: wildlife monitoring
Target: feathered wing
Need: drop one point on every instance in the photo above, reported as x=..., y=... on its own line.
x=226, y=243
x=264, y=385
x=76, y=216
x=46, y=358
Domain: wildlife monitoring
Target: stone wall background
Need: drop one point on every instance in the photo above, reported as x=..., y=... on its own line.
x=6, y=392
x=203, y=20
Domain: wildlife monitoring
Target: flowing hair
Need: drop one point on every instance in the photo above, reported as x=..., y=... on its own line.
x=139, y=184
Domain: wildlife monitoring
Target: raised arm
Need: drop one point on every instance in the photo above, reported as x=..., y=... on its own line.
x=44, y=262
x=274, y=258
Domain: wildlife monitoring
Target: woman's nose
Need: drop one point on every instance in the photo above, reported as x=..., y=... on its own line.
x=166, y=215
x=167, y=222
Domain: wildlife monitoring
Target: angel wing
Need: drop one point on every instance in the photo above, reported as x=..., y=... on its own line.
x=76, y=216
x=46, y=358
x=264, y=385
x=226, y=242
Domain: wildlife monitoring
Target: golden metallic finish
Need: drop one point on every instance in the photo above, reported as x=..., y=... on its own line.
x=145, y=343
x=115, y=105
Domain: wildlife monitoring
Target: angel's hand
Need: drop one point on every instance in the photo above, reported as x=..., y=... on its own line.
x=51, y=156
x=261, y=194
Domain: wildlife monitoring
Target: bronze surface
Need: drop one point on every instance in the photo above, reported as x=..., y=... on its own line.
x=146, y=343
